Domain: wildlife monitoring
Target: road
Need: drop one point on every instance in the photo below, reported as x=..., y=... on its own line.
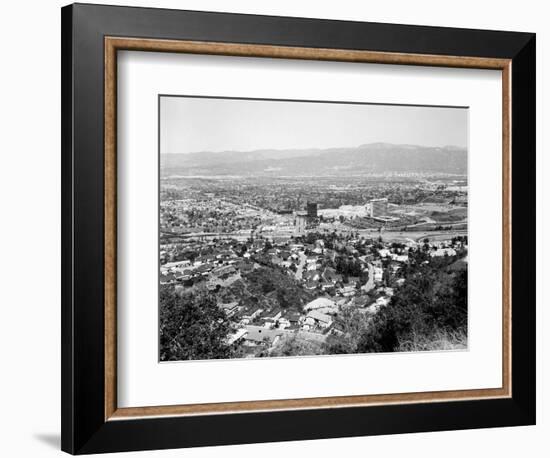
x=370, y=282
x=300, y=269
x=400, y=236
x=387, y=236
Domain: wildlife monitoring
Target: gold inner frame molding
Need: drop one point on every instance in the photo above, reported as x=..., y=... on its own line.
x=114, y=44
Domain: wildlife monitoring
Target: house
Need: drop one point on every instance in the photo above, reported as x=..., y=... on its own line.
x=236, y=336
x=384, y=252
x=294, y=318
x=230, y=308
x=331, y=276
x=203, y=269
x=347, y=291
x=382, y=301
x=308, y=323
x=319, y=303
x=285, y=255
x=259, y=334
x=443, y=252
x=311, y=285
x=320, y=319
x=400, y=257
x=361, y=301
x=272, y=315
x=375, y=307
x=283, y=323
x=326, y=286
x=176, y=265
x=214, y=281
x=224, y=272
x=311, y=265
x=252, y=313
x=244, y=266
x=312, y=276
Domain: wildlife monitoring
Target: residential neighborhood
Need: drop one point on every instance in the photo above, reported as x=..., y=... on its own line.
x=278, y=279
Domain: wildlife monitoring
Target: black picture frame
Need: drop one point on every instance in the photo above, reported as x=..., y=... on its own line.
x=84, y=428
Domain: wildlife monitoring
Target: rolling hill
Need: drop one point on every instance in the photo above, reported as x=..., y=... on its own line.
x=369, y=158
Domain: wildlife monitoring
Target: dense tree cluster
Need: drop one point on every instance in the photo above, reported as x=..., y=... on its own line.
x=270, y=281
x=349, y=267
x=192, y=326
x=432, y=301
x=351, y=325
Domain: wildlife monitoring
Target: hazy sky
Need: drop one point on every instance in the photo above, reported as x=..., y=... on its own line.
x=200, y=124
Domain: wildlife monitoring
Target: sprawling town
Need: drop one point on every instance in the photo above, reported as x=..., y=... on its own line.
x=293, y=266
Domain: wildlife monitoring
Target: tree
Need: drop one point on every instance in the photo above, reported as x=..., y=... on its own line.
x=351, y=324
x=287, y=299
x=192, y=326
x=432, y=298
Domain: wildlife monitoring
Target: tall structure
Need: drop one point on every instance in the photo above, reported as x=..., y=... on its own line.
x=300, y=223
x=377, y=207
x=307, y=219
x=312, y=209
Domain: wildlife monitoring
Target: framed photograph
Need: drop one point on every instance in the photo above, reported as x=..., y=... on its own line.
x=282, y=228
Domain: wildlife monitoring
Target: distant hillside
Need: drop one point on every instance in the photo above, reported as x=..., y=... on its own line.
x=369, y=158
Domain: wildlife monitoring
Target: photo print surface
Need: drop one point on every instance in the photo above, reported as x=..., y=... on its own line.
x=301, y=228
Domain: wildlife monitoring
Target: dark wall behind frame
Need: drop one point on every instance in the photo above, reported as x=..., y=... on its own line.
x=83, y=427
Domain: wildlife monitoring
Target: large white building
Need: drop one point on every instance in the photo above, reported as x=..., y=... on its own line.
x=377, y=207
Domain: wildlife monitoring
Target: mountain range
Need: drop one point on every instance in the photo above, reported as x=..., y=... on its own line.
x=376, y=158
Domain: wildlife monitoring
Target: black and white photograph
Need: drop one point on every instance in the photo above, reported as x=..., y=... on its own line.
x=300, y=228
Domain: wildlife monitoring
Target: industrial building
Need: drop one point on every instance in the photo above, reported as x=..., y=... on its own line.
x=300, y=223
x=306, y=219
x=312, y=208
x=377, y=207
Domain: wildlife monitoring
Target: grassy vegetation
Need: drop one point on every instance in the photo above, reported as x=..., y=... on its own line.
x=295, y=346
x=441, y=339
x=457, y=214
